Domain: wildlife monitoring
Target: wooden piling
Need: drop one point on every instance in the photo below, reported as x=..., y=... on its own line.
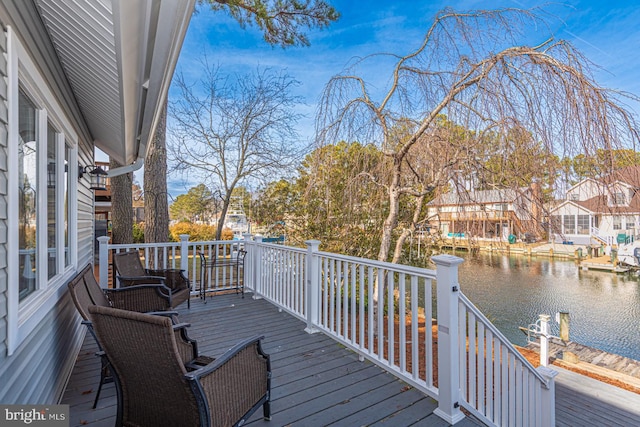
x=564, y=326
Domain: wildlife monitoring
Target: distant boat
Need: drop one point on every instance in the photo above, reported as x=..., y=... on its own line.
x=629, y=254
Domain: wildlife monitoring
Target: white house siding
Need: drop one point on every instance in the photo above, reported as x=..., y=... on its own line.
x=573, y=210
x=37, y=370
x=584, y=190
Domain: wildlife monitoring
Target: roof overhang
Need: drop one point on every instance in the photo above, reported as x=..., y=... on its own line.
x=119, y=57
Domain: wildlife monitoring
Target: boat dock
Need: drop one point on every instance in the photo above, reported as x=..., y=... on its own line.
x=580, y=253
x=582, y=358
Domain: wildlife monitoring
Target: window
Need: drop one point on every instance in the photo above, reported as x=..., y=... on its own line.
x=630, y=222
x=583, y=224
x=618, y=199
x=569, y=224
x=52, y=211
x=41, y=196
x=65, y=204
x=27, y=194
x=617, y=223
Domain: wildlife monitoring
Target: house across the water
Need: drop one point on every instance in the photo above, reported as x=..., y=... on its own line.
x=603, y=211
x=488, y=214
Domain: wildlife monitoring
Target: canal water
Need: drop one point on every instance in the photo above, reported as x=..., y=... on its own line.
x=512, y=291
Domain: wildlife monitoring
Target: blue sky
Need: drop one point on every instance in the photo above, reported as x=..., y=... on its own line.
x=608, y=33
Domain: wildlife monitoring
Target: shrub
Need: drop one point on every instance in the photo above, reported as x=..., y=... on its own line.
x=197, y=232
x=138, y=232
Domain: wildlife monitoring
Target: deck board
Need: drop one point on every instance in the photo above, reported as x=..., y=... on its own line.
x=316, y=381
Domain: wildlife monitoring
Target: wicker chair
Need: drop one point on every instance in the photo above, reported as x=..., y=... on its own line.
x=155, y=388
x=156, y=299
x=130, y=271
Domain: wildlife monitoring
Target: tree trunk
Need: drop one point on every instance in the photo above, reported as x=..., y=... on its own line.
x=408, y=231
x=223, y=215
x=156, y=210
x=394, y=208
x=121, y=207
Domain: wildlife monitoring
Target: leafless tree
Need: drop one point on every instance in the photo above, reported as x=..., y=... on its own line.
x=477, y=70
x=228, y=129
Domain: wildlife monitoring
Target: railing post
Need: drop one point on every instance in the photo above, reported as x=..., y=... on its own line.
x=548, y=396
x=257, y=267
x=544, y=339
x=448, y=291
x=184, y=256
x=312, y=287
x=103, y=261
x=248, y=270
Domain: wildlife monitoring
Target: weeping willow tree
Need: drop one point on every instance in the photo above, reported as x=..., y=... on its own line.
x=480, y=71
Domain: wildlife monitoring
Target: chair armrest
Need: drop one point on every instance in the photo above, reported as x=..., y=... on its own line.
x=242, y=374
x=169, y=313
x=174, y=278
x=140, y=298
x=181, y=325
x=126, y=281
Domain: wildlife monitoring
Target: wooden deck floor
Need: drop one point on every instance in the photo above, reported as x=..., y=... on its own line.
x=317, y=382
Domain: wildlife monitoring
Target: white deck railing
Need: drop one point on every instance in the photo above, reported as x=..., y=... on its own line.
x=390, y=314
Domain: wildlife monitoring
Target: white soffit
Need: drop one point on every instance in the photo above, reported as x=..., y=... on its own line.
x=119, y=57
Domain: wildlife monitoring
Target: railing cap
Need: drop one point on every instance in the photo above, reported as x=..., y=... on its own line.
x=313, y=243
x=447, y=260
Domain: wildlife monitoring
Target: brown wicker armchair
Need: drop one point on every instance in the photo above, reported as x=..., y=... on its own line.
x=130, y=271
x=156, y=299
x=156, y=389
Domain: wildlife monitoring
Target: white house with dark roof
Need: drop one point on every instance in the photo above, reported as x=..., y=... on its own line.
x=604, y=211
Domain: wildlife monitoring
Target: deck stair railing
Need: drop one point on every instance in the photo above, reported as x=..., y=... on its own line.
x=413, y=322
x=607, y=240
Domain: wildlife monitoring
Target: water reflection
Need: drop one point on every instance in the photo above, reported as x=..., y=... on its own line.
x=513, y=290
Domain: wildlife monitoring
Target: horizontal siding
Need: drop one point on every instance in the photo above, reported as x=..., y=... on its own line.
x=51, y=348
x=39, y=368
x=3, y=202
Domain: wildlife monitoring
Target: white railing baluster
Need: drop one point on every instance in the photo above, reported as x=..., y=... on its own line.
x=482, y=360
x=402, y=310
x=370, y=288
x=353, y=313
x=428, y=330
x=390, y=318
x=472, y=358
x=380, y=309
x=415, y=327
x=361, y=318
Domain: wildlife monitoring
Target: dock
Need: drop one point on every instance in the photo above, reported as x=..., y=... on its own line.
x=579, y=253
x=579, y=357
x=603, y=263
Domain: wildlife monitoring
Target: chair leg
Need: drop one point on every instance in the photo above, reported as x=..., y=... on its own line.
x=103, y=379
x=266, y=410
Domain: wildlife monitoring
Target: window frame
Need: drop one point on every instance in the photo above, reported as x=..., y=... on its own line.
x=24, y=316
